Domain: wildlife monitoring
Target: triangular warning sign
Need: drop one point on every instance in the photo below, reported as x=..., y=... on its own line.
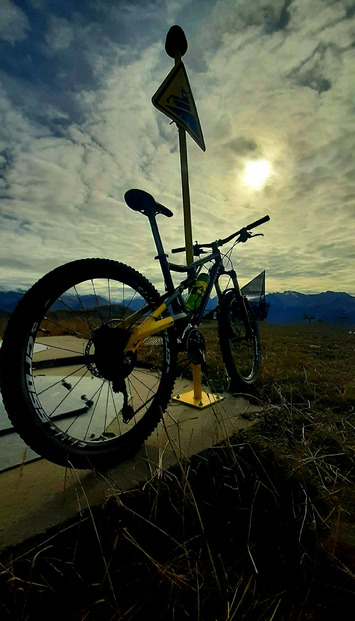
x=174, y=98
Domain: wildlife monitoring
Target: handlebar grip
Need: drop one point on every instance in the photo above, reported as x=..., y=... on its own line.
x=175, y=250
x=253, y=225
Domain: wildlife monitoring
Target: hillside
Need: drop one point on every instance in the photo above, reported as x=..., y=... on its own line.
x=288, y=307
x=329, y=307
x=10, y=299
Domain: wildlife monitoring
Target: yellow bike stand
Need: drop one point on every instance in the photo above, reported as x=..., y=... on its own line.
x=196, y=397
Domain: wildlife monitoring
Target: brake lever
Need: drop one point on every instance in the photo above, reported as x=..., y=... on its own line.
x=245, y=235
x=197, y=250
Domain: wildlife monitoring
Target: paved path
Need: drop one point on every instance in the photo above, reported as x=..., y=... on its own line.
x=41, y=495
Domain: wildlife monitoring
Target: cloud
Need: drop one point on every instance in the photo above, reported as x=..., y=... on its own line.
x=302, y=126
x=14, y=24
x=271, y=79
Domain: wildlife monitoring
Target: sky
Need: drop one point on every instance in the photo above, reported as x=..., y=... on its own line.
x=274, y=86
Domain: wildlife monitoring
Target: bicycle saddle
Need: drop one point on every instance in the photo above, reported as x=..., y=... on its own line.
x=138, y=200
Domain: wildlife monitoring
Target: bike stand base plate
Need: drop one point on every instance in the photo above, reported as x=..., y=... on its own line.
x=206, y=399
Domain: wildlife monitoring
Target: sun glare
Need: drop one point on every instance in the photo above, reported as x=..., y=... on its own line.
x=256, y=173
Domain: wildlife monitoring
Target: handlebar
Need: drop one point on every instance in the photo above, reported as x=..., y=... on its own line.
x=196, y=249
x=258, y=222
x=243, y=232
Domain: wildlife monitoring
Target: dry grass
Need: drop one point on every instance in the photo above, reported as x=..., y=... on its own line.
x=259, y=528
x=309, y=362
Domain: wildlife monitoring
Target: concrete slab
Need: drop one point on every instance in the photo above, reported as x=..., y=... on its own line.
x=40, y=495
x=13, y=451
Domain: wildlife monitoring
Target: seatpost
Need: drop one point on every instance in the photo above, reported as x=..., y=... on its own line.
x=162, y=257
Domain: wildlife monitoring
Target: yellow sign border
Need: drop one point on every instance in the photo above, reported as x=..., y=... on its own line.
x=183, y=97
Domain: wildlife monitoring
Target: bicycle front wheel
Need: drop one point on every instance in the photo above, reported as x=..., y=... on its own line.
x=70, y=389
x=239, y=340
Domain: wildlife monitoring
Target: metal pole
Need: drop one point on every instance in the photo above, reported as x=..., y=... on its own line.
x=197, y=384
x=185, y=184
x=186, y=196
x=176, y=46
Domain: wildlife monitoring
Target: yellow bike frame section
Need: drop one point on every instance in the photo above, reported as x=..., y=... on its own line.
x=153, y=325
x=148, y=327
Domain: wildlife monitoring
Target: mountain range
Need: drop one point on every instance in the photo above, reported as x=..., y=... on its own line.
x=285, y=308
x=293, y=307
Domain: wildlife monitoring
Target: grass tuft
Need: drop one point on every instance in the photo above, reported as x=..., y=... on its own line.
x=259, y=527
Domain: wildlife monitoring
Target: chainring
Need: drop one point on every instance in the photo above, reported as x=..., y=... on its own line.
x=195, y=346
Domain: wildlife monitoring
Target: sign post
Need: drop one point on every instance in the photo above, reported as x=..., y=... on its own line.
x=186, y=196
x=174, y=98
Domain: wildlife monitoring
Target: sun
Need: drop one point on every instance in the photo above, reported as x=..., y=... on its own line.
x=256, y=173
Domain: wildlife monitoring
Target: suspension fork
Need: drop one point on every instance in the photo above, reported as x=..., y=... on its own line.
x=241, y=301
x=213, y=274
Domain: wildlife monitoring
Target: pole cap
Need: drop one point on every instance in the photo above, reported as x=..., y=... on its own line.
x=175, y=43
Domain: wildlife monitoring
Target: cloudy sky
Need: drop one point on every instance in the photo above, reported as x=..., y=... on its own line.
x=274, y=83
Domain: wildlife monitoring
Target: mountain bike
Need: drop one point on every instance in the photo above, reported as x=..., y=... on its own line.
x=90, y=352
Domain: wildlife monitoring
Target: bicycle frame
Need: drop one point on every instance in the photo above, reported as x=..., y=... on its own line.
x=173, y=297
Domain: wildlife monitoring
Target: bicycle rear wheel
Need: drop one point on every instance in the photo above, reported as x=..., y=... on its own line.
x=69, y=388
x=239, y=340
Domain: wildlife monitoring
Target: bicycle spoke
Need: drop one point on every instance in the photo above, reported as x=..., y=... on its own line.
x=84, y=316
x=115, y=408
x=59, y=325
x=109, y=298
x=70, y=309
x=138, y=394
x=101, y=400
x=94, y=409
x=52, y=346
x=61, y=380
x=239, y=341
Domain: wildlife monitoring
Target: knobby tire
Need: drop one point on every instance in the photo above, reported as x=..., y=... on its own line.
x=239, y=341
x=65, y=382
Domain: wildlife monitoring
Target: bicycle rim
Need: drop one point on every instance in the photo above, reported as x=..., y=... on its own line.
x=239, y=341
x=87, y=399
